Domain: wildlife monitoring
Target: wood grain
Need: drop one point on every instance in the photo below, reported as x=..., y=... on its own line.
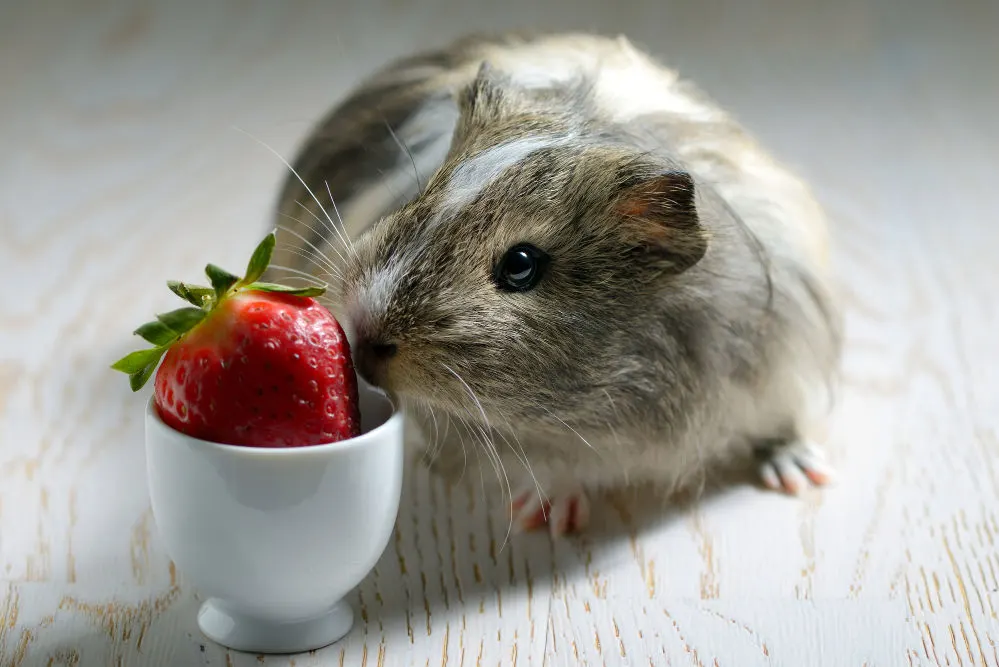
x=121, y=169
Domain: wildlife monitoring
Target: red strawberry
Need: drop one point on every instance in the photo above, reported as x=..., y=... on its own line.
x=252, y=363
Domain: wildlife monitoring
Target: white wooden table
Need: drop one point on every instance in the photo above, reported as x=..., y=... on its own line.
x=119, y=168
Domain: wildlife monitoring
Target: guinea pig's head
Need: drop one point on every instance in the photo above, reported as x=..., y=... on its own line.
x=511, y=287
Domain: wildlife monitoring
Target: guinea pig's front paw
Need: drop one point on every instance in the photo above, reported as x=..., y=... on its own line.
x=791, y=465
x=566, y=509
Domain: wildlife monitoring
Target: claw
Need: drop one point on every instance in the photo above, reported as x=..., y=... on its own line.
x=794, y=466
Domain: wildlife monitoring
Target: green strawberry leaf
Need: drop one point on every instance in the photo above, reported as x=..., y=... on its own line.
x=193, y=294
x=311, y=290
x=222, y=280
x=170, y=327
x=179, y=288
x=260, y=259
x=156, y=333
x=182, y=320
x=134, y=362
x=138, y=379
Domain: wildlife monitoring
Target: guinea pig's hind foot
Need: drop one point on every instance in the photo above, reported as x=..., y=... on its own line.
x=791, y=465
x=563, y=508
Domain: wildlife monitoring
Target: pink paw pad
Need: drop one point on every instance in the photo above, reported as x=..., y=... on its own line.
x=566, y=512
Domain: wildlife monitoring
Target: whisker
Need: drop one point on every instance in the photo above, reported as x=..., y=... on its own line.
x=475, y=450
x=440, y=439
x=610, y=400
x=480, y=432
x=447, y=428
x=323, y=227
x=345, y=237
x=522, y=457
x=470, y=392
x=464, y=450
x=530, y=470
x=308, y=282
x=438, y=443
x=403, y=147
x=325, y=271
x=328, y=301
x=313, y=245
x=315, y=257
x=587, y=442
x=491, y=446
x=488, y=445
x=436, y=446
x=324, y=277
x=302, y=275
x=475, y=398
x=293, y=171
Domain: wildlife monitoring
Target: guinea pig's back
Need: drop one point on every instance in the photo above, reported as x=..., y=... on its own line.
x=375, y=150
x=370, y=154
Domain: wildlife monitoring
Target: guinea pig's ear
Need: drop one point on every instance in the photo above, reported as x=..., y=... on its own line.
x=484, y=94
x=659, y=215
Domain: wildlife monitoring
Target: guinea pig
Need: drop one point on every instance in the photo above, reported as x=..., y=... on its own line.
x=558, y=254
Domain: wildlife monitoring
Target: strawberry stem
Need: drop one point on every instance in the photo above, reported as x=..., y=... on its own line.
x=170, y=327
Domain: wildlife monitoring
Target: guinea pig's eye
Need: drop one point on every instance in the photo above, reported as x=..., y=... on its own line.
x=521, y=268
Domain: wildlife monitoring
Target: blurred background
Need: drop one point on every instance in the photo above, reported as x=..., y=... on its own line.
x=120, y=167
x=902, y=93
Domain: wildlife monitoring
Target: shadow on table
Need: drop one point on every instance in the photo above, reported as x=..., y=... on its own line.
x=394, y=600
x=397, y=600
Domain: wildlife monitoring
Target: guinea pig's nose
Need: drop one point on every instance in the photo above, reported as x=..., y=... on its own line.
x=371, y=357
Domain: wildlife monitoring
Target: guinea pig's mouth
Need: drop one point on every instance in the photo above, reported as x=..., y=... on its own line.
x=373, y=356
x=414, y=371
x=412, y=377
x=389, y=367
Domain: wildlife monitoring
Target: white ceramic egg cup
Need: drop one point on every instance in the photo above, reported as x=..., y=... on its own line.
x=277, y=537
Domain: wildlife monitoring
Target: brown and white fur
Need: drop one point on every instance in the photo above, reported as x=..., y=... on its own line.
x=686, y=307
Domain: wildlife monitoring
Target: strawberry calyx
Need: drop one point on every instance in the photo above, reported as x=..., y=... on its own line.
x=170, y=327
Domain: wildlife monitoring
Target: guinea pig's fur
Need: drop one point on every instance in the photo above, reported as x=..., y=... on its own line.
x=686, y=306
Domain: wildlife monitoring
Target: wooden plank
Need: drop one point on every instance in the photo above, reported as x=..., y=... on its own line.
x=122, y=169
